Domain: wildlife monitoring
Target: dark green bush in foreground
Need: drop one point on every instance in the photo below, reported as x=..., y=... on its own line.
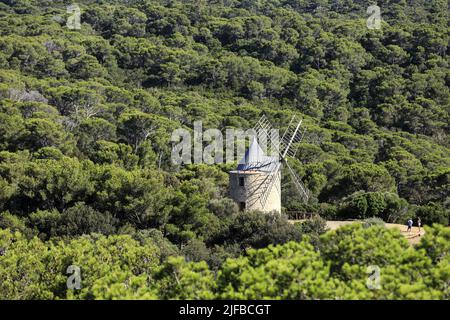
x=120, y=267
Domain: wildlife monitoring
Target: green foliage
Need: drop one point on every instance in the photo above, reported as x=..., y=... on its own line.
x=383, y=205
x=367, y=223
x=281, y=272
x=118, y=266
x=433, y=213
x=315, y=225
x=40, y=268
x=436, y=243
x=85, y=156
x=178, y=279
x=258, y=230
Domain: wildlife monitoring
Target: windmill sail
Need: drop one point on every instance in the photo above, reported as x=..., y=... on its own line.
x=304, y=193
x=292, y=135
x=264, y=186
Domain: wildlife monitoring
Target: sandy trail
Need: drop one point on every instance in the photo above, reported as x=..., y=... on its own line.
x=413, y=236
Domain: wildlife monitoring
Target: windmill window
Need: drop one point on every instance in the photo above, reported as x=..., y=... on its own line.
x=241, y=181
x=241, y=206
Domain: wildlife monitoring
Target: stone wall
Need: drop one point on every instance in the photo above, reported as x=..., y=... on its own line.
x=255, y=182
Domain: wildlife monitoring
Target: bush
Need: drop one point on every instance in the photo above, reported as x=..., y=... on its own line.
x=384, y=205
x=82, y=219
x=14, y=223
x=77, y=220
x=373, y=222
x=315, y=225
x=433, y=213
x=258, y=229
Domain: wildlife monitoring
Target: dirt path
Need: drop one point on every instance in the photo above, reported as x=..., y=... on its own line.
x=413, y=236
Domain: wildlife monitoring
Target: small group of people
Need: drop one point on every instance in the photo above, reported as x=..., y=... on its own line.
x=410, y=224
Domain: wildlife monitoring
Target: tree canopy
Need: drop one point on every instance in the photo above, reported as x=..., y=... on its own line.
x=86, y=117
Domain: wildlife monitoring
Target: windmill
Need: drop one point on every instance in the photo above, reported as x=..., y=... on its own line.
x=256, y=182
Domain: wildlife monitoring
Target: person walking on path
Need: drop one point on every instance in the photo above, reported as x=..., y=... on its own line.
x=410, y=223
x=419, y=224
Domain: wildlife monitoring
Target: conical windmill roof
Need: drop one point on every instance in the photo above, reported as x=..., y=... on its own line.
x=255, y=159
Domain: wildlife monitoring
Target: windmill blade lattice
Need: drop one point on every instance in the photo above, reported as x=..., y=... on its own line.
x=292, y=135
x=304, y=193
x=263, y=128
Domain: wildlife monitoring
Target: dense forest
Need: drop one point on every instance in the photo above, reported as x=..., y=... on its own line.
x=86, y=177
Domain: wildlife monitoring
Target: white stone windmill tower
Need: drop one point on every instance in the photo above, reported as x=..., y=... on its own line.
x=256, y=182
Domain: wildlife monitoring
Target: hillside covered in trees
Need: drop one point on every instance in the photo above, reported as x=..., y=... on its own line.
x=86, y=175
